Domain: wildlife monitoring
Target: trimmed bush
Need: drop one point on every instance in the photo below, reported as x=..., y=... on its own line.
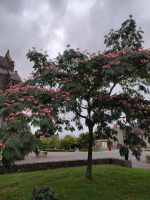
x=44, y=193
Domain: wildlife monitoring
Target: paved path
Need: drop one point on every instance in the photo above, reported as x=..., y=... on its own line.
x=61, y=156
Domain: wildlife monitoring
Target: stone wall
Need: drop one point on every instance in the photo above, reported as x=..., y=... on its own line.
x=61, y=164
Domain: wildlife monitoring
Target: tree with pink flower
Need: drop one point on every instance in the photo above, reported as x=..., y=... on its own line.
x=85, y=86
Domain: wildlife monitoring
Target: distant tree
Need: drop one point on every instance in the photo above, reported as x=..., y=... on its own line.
x=45, y=142
x=54, y=141
x=83, y=140
x=68, y=141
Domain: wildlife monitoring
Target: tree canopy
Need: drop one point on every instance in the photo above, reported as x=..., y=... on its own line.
x=85, y=84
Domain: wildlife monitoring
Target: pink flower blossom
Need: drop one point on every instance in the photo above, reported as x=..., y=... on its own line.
x=27, y=115
x=39, y=132
x=68, y=99
x=42, y=114
x=1, y=144
x=21, y=99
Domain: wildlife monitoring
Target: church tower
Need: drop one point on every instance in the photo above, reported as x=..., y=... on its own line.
x=8, y=77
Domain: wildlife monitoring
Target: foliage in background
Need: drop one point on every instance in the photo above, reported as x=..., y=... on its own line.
x=54, y=142
x=83, y=140
x=45, y=142
x=69, y=142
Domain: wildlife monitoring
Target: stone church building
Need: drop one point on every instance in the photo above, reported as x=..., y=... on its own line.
x=103, y=142
x=8, y=77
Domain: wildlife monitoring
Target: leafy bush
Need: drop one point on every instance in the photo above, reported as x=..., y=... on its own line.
x=109, y=143
x=44, y=193
x=147, y=149
x=68, y=142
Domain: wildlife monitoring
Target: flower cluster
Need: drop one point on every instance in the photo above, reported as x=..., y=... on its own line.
x=39, y=132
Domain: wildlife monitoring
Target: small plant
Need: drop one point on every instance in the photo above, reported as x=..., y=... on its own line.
x=147, y=149
x=44, y=193
x=109, y=143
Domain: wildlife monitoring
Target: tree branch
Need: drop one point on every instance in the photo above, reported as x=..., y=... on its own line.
x=78, y=113
x=115, y=85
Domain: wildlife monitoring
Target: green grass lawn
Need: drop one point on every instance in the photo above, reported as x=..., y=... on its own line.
x=109, y=182
x=86, y=150
x=58, y=150
x=50, y=149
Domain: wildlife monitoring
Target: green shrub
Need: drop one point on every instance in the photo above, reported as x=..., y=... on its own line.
x=147, y=149
x=109, y=143
x=50, y=149
x=44, y=193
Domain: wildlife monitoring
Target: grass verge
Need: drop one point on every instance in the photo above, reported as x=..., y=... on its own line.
x=109, y=182
x=86, y=150
x=57, y=150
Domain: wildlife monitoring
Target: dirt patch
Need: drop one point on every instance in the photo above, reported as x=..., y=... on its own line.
x=8, y=189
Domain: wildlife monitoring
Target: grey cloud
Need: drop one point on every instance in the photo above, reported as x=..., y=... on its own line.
x=12, y=6
x=52, y=24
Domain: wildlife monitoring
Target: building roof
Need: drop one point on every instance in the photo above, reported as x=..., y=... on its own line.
x=135, y=129
x=4, y=71
x=16, y=77
x=3, y=62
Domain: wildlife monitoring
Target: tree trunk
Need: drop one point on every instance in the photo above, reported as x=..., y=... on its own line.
x=89, y=165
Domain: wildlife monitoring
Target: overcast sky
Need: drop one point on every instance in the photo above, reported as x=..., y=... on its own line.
x=52, y=24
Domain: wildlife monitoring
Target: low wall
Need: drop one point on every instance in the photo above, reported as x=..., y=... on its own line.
x=61, y=164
